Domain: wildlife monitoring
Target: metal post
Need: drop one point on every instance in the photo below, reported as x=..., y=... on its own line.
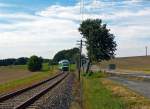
x=146, y=50
x=80, y=59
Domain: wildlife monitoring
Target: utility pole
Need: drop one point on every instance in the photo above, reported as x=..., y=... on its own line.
x=146, y=50
x=80, y=58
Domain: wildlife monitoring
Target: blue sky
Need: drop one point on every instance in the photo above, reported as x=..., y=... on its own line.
x=31, y=6
x=43, y=27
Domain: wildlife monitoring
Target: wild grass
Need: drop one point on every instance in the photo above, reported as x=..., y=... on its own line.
x=102, y=93
x=72, y=67
x=97, y=96
x=132, y=100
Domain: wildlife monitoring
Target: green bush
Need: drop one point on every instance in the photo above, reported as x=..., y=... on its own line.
x=35, y=63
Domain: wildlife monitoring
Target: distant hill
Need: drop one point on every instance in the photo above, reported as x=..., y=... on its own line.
x=130, y=63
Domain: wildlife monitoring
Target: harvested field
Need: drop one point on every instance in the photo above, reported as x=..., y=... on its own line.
x=16, y=77
x=8, y=73
x=137, y=63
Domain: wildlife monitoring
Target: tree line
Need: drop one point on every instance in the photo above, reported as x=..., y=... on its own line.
x=35, y=62
x=13, y=61
x=18, y=61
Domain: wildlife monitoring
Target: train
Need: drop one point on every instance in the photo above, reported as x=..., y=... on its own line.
x=64, y=65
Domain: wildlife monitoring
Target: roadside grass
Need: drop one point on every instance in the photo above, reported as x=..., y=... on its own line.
x=97, y=96
x=102, y=93
x=132, y=99
x=26, y=81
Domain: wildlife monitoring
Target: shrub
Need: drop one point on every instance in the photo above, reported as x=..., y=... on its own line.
x=35, y=63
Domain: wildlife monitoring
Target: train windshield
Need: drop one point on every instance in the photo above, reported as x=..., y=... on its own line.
x=65, y=63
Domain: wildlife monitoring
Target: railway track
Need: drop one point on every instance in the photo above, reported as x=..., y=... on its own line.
x=24, y=98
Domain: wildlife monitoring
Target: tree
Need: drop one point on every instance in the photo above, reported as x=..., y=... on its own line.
x=69, y=54
x=13, y=61
x=35, y=63
x=21, y=61
x=100, y=42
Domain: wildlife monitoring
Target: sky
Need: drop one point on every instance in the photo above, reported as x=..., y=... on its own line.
x=44, y=27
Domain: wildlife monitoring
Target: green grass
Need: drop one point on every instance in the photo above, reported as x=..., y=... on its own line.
x=24, y=81
x=72, y=67
x=132, y=99
x=96, y=96
x=45, y=67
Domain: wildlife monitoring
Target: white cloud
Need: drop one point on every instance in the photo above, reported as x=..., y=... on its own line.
x=38, y=36
x=131, y=2
x=131, y=31
x=55, y=28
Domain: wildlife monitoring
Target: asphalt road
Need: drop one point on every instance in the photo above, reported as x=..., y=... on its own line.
x=131, y=74
x=141, y=87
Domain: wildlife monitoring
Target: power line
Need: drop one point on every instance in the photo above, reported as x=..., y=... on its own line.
x=82, y=9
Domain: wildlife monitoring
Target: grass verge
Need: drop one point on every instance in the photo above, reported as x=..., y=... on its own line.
x=97, y=96
x=132, y=99
x=102, y=93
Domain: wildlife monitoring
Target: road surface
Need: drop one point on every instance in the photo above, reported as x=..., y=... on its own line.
x=141, y=87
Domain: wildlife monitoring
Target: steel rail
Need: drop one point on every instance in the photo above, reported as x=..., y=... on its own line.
x=18, y=92
x=40, y=94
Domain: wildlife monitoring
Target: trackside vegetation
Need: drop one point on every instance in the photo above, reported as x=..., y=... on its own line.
x=102, y=93
x=132, y=100
x=97, y=96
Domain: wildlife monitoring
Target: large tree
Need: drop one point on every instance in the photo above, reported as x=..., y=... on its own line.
x=69, y=54
x=100, y=42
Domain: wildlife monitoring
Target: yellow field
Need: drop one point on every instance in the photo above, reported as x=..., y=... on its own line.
x=138, y=63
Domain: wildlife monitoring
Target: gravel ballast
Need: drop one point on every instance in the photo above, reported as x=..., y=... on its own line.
x=59, y=97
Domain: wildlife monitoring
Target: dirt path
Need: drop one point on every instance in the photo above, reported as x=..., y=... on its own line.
x=140, y=87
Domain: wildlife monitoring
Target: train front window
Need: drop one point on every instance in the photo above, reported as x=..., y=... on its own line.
x=65, y=63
